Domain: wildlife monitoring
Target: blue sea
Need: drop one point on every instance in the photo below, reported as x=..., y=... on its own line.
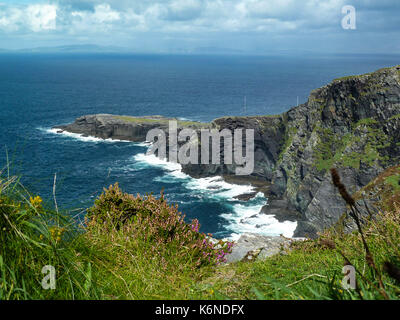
x=41, y=91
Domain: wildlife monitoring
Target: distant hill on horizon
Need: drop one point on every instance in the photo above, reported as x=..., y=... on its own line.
x=92, y=48
x=86, y=48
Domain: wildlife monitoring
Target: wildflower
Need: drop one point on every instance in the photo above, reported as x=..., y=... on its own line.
x=211, y=292
x=56, y=233
x=36, y=202
x=195, y=226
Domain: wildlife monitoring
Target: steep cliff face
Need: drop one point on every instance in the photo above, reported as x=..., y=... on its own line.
x=380, y=195
x=269, y=134
x=352, y=124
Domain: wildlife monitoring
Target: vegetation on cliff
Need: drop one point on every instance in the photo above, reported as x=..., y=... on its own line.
x=162, y=120
x=312, y=269
x=352, y=124
x=141, y=248
x=129, y=248
x=384, y=189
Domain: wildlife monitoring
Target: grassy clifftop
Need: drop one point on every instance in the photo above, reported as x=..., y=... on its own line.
x=384, y=189
x=141, y=248
x=163, y=121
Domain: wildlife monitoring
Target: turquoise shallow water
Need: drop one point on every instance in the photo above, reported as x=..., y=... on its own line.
x=39, y=91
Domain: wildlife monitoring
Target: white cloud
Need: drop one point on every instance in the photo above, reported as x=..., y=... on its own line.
x=153, y=20
x=101, y=19
x=103, y=13
x=10, y=19
x=173, y=15
x=41, y=17
x=34, y=18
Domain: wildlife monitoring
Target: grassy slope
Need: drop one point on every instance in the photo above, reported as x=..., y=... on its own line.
x=93, y=263
x=99, y=263
x=311, y=270
x=307, y=268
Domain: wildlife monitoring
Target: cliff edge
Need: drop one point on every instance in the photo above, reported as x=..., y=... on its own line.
x=352, y=124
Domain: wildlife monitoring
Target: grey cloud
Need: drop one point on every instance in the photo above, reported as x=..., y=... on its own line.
x=209, y=22
x=184, y=10
x=78, y=5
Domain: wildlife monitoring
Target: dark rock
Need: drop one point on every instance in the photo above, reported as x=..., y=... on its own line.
x=305, y=229
x=108, y=126
x=246, y=196
x=282, y=210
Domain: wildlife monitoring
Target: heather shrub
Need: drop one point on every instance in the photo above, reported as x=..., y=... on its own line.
x=114, y=208
x=157, y=225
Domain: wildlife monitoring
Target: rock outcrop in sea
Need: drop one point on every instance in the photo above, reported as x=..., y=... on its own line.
x=107, y=126
x=352, y=124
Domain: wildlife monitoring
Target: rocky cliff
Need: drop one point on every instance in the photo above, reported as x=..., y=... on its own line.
x=352, y=124
x=108, y=126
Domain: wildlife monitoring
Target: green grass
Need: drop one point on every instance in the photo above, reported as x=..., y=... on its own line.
x=365, y=121
x=376, y=73
x=313, y=270
x=140, y=120
x=163, y=121
x=125, y=270
x=347, y=78
x=385, y=187
x=102, y=259
x=31, y=238
x=331, y=149
x=90, y=263
x=288, y=140
x=395, y=117
x=394, y=181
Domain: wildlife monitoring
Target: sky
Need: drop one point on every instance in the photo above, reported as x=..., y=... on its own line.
x=191, y=26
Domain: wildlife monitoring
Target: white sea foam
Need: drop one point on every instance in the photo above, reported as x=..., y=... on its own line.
x=83, y=138
x=244, y=217
x=213, y=187
x=153, y=160
x=218, y=188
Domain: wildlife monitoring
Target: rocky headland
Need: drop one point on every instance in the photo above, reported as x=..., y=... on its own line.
x=352, y=124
